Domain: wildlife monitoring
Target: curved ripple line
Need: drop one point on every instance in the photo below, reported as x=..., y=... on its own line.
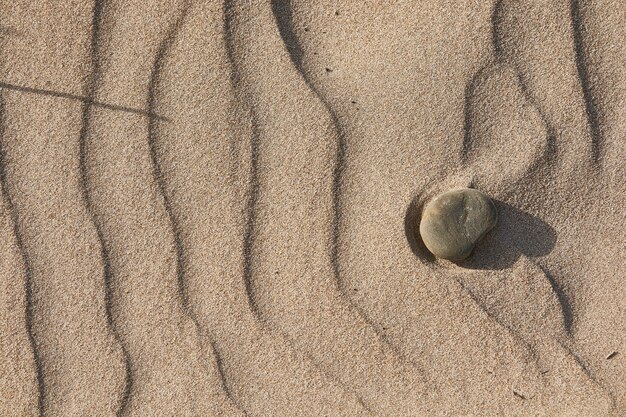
x=28, y=273
x=282, y=12
x=162, y=52
x=585, y=85
x=92, y=84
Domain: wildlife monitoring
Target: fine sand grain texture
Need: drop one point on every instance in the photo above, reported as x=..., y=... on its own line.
x=212, y=207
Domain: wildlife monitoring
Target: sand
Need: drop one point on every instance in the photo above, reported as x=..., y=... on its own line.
x=212, y=208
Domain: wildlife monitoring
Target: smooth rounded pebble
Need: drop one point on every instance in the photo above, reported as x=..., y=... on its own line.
x=455, y=221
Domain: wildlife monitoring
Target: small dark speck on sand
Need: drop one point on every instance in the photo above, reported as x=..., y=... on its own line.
x=612, y=355
x=306, y=29
x=329, y=70
x=337, y=13
x=353, y=102
x=517, y=394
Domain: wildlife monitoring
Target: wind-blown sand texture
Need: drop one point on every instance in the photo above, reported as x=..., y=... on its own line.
x=211, y=207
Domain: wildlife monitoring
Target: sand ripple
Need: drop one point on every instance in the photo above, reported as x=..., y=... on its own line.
x=210, y=208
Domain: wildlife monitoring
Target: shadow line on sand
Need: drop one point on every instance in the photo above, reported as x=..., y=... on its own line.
x=92, y=84
x=28, y=270
x=85, y=99
x=578, y=28
x=283, y=15
x=181, y=260
x=253, y=168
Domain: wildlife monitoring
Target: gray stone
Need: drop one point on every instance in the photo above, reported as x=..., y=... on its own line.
x=455, y=221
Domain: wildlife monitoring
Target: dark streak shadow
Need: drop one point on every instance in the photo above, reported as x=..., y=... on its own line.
x=412, y=220
x=564, y=302
x=176, y=230
x=577, y=30
x=551, y=155
x=470, y=90
x=283, y=14
x=477, y=79
x=225, y=385
x=496, y=22
x=585, y=368
x=106, y=260
x=91, y=86
x=590, y=106
x=525, y=343
x=28, y=271
x=253, y=191
x=87, y=100
x=164, y=48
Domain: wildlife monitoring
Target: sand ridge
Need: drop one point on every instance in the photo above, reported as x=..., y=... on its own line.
x=211, y=207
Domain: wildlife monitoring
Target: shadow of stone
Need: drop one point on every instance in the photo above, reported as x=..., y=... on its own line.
x=412, y=220
x=516, y=233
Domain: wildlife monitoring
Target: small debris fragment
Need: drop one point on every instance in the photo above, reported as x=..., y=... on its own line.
x=612, y=355
x=306, y=29
x=336, y=12
x=353, y=102
x=329, y=70
x=517, y=394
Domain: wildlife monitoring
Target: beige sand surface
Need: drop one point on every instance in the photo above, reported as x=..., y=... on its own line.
x=210, y=207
